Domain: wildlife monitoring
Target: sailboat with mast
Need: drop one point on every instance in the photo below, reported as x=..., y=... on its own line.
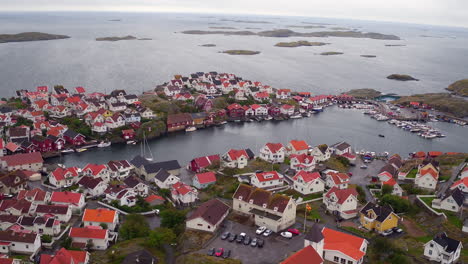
x=144, y=147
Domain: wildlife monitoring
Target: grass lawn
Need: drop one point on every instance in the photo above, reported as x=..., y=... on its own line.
x=196, y=258
x=428, y=201
x=423, y=239
x=312, y=215
x=225, y=187
x=121, y=250
x=453, y=219
x=412, y=173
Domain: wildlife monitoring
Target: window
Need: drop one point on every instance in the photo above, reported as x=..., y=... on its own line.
x=430, y=252
x=431, y=245
x=336, y=259
x=343, y=261
x=350, y=262
x=27, y=246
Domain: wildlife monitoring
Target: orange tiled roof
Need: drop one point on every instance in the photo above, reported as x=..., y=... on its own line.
x=347, y=244
x=99, y=215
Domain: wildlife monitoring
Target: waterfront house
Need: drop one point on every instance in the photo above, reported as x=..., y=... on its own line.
x=396, y=188
x=146, y=113
x=76, y=201
x=273, y=153
x=297, y=147
x=149, y=170
x=128, y=134
x=377, y=217
x=274, y=110
x=337, y=179
x=201, y=163
x=287, y=110
x=262, y=97
x=275, y=211
x=99, y=128
x=132, y=118
x=443, y=249
x=341, y=202
x=42, y=144
x=248, y=111
x=236, y=158
x=61, y=177
x=164, y=179
x=198, y=119
x=208, y=216
x=171, y=90
x=283, y=93
x=259, y=110
x=177, y=122
x=119, y=169
x=101, y=216
x=236, y=111
x=137, y=185
x=308, y=182
x=97, y=171
x=73, y=138
x=203, y=103
x=115, y=121
x=65, y=256
x=12, y=183
x=321, y=153
x=341, y=148
x=63, y=213
x=335, y=246
x=461, y=184
x=82, y=236
x=307, y=255
x=427, y=177
x=453, y=201
x=266, y=180
x=183, y=194
x=57, y=142
x=19, y=242
x=92, y=186
x=302, y=162
x=203, y=180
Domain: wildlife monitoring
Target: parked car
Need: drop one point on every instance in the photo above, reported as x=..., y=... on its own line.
x=286, y=234
x=267, y=233
x=260, y=230
x=211, y=252
x=294, y=231
x=260, y=243
x=227, y=253
x=254, y=242
x=247, y=240
x=397, y=230
x=240, y=238
x=219, y=252
x=363, y=166
x=387, y=232
x=225, y=235
x=232, y=237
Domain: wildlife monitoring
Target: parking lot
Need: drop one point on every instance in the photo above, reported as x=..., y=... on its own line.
x=275, y=249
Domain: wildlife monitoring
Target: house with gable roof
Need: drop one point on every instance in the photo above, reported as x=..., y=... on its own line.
x=82, y=235
x=307, y=255
x=275, y=211
x=427, y=177
x=65, y=256
x=183, y=194
x=297, y=147
x=397, y=190
x=266, y=180
x=452, y=201
x=24, y=161
x=137, y=185
x=461, y=184
x=92, y=186
x=75, y=200
x=302, y=162
x=12, y=183
x=62, y=177
x=337, y=179
x=287, y=109
x=341, y=202
x=443, y=249
x=20, y=242
x=321, y=153
x=341, y=148
x=335, y=246
x=273, y=152
x=97, y=171
x=199, y=164
x=96, y=217
x=208, y=216
x=235, y=158
x=165, y=179
x=35, y=196
x=43, y=225
x=63, y=213
x=119, y=169
x=308, y=182
x=203, y=180
x=377, y=217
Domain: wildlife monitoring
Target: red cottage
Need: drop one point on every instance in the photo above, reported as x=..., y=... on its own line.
x=236, y=111
x=43, y=144
x=200, y=163
x=178, y=121
x=128, y=134
x=73, y=138
x=274, y=110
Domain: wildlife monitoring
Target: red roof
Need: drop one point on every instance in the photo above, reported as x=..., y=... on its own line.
x=420, y=154
x=307, y=255
x=341, y=194
x=80, y=89
x=299, y=145
x=61, y=173
x=11, y=146
x=347, y=244
x=303, y=158
x=234, y=106
x=267, y=176
x=287, y=107
x=307, y=176
x=153, y=197
x=23, y=158
x=181, y=188
x=349, y=156
x=430, y=171
x=94, y=168
x=274, y=147
x=85, y=232
x=390, y=182
x=339, y=177
x=262, y=95
x=99, y=215
x=66, y=197
x=207, y=177
x=435, y=153
x=463, y=181
x=234, y=154
x=206, y=161
x=64, y=256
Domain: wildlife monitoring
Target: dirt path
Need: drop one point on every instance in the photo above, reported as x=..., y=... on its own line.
x=412, y=229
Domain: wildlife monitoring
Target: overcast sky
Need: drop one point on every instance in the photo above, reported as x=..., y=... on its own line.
x=436, y=12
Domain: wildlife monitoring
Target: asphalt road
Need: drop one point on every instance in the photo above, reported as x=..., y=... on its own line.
x=362, y=177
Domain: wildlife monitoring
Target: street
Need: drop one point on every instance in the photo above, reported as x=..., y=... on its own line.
x=362, y=177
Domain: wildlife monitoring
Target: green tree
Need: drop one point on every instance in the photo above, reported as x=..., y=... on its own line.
x=103, y=225
x=361, y=194
x=20, y=121
x=174, y=219
x=164, y=192
x=387, y=189
x=161, y=236
x=135, y=225
x=398, y=204
x=89, y=244
x=67, y=243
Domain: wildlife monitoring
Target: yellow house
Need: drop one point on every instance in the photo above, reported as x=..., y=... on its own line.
x=108, y=113
x=378, y=218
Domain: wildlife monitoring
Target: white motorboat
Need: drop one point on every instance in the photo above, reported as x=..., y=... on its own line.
x=67, y=151
x=190, y=129
x=104, y=144
x=81, y=150
x=296, y=116
x=131, y=142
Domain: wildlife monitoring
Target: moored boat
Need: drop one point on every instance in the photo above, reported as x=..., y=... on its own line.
x=190, y=129
x=104, y=144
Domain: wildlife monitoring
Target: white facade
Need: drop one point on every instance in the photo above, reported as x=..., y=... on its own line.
x=268, y=155
x=435, y=252
x=305, y=188
x=333, y=205
x=426, y=181
x=172, y=179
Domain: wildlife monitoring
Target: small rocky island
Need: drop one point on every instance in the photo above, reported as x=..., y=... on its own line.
x=329, y=53
x=401, y=77
x=369, y=56
x=364, y=93
x=208, y=45
x=395, y=45
x=129, y=37
x=222, y=27
x=459, y=87
x=29, y=36
x=241, y=52
x=299, y=44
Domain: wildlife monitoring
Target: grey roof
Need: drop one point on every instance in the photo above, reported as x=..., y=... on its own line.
x=457, y=196
x=132, y=181
x=51, y=209
x=450, y=245
x=139, y=161
x=162, y=175
x=131, y=96
x=382, y=212
x=341, y=146
x=315, y=233
x=166, y=165
x=250, y=153
x=50, y=222
x=71, y=134
x=27, y=221
x=89, y=182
